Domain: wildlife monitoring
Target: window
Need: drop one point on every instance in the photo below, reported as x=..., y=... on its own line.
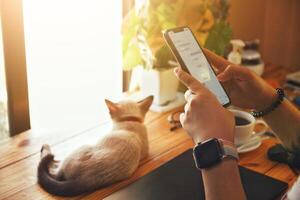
x=3, y=95
x=73, y=53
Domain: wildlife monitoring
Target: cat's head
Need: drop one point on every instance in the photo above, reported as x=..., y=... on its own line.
x=129, y=110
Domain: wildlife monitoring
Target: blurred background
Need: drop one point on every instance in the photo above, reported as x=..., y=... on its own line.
x=61, y=58
x=274, y=23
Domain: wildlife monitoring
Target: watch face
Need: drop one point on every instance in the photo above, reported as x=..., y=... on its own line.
x=208, y=153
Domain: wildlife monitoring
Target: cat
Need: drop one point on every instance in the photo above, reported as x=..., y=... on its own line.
x=112, y=159
x=294, y=193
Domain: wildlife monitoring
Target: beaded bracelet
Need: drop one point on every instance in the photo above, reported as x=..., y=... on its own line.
x=273, y=106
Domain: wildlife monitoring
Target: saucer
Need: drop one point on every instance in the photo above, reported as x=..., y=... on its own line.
x=253, y=144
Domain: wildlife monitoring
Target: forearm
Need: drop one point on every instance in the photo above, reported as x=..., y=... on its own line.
x=223, y=181
x=285, y=122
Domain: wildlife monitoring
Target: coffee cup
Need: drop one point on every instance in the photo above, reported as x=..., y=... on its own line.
x=244, y=126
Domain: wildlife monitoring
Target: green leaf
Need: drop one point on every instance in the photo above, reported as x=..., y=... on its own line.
x=126, y=39
x=165, y=14
x=160, y=15
x=132, y=57
x=133, y=23
x=219, y=37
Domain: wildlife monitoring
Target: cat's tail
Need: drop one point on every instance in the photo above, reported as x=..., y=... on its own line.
x=50, y=183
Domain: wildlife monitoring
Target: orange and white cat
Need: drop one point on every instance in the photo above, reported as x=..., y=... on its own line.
x=113, y=158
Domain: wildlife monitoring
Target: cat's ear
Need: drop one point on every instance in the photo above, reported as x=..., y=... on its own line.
x=145, y=104
x=112, y=107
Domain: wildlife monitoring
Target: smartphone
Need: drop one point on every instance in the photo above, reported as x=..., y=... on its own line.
x=191, y=58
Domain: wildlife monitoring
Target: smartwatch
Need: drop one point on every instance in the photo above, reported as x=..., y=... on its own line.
x=212, y=151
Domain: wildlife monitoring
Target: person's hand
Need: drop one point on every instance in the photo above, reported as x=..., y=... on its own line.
x=204, y=116
x=244, y=87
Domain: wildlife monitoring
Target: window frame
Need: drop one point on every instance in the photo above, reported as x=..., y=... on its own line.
x=15, y=66
x=127, y=6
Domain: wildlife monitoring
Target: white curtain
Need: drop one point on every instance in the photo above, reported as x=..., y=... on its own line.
x=73, y=52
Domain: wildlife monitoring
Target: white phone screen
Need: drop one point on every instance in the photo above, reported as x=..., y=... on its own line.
x=196, y=62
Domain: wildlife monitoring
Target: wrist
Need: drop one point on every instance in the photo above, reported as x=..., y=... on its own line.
x=223, y=135
x=266, y=99
x=279, y=99
x=227, y=164
x=212, y=152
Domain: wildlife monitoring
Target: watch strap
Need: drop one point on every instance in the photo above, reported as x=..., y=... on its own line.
x=229, y=149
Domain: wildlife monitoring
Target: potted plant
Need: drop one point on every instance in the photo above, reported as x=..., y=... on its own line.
x=143, y=44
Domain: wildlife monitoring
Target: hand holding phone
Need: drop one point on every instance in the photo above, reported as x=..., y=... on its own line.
x=191, y=58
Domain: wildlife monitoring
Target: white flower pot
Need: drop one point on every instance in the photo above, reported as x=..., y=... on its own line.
x=258, y=69
x=162, y=84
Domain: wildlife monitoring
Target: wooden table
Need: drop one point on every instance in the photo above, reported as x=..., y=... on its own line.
x=20, y=155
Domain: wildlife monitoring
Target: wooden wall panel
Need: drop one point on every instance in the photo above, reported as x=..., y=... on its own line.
x=275, y=22
x=282, y=33
x=246, y=18
x=293, y=44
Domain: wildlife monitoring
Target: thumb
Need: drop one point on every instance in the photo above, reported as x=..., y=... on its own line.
x=189, y=81
x=233, y=71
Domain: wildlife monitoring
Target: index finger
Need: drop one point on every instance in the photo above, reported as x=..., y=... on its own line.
x=189, y=81
x=217, y=61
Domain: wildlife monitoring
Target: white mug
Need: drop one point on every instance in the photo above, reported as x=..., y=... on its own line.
x=243, y=133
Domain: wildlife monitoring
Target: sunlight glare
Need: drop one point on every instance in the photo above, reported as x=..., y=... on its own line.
x=73, y=51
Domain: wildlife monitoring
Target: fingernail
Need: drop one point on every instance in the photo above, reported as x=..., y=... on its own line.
x=220, y=78
x=176, y=70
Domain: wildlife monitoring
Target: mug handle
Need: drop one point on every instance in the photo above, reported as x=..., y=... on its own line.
x=260, y=121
